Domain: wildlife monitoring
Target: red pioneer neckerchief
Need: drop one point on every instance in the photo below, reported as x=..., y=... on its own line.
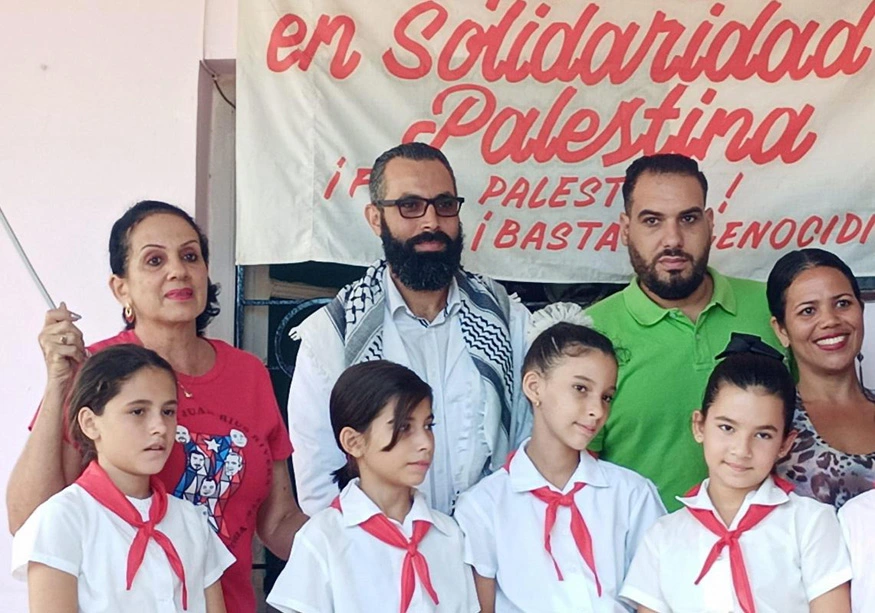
x=97, y=483
x=414, y=563
x=579, y=531
x=729, y=538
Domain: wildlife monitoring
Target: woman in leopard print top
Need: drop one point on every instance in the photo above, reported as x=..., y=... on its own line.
x=817, y=312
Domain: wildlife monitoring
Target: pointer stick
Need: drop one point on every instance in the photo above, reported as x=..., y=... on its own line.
x=24, y=258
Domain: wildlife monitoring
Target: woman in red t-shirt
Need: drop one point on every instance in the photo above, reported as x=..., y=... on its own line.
x=230, y=459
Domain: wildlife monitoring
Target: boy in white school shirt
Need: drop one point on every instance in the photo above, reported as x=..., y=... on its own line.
x=857, y=518
x=593, y=512
x=743, y=541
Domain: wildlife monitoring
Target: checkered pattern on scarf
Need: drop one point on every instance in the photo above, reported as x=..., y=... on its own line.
x=357, y=315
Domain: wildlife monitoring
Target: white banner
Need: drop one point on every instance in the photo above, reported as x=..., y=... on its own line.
x=540, y=106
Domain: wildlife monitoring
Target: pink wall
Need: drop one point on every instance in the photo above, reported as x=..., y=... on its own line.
x=100, y=104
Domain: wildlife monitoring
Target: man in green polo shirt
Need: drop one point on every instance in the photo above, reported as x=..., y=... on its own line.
x=669, y=323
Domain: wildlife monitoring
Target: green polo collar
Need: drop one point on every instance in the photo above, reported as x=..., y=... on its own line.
x=647, y=313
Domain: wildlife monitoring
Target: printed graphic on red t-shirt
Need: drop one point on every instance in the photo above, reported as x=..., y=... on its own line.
x=214, y=468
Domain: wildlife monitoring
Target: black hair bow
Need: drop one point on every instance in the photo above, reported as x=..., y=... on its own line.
x=749, y=343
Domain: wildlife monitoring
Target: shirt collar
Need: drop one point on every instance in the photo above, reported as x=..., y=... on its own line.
x=647, y=313
x=395, y=301
x=524, y=477
x=767, y=494
x=357, y=508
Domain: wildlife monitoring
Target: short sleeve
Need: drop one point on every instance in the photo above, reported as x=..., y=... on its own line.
x=278, y=436
x=478, y=534
x=642, y=584
x=854, y=520
x=51, y=536
x=825, y=561
x=303, y=586
x=217, y=557
x=646, y=509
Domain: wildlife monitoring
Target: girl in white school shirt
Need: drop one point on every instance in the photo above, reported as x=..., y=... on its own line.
x=378, y=547
x=857, y=518
x=556, y=529
x=744, y=541
x=114, y=540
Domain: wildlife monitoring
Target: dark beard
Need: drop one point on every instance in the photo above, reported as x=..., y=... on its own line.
x=427, y=271
x=677, y=287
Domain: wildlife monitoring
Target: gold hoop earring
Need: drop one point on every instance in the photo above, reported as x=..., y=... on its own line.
x=129, y=314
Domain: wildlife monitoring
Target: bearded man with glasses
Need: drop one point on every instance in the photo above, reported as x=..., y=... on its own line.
x=417, y=306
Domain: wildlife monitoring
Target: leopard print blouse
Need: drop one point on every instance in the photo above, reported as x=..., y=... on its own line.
x=822, y=472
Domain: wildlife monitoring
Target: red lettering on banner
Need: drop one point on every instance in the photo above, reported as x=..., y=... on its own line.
x=535, y=201
x=517, y=193
x=532, y=194
x=588, y=188
x=332, y=183
x=496, y=187
x=362, y=177
x=424, y=62
x=481, y=228
x=454, y=126
x=554, y=237
x=587, y=227
x=467, y=31
x=808, y=224
x=756, y=232
x=515, y=48
x=616, y=184
x=279, y=39
x=343, y=62
x=797, y=233
x=535, y=236
x=610, y=238
x=850, y=229
x=560, y=234
x=472, y=109
x=557, y=199
x=824, y=237
x=507, y=235
x=725, y=240
x=775, y=238
x=864, y=237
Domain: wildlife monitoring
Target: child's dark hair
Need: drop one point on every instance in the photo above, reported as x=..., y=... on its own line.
x=101, y=379
x=753, y=370
x=360, y=394
x=564, y=339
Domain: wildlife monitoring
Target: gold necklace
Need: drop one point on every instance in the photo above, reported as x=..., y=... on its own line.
x=185, y=392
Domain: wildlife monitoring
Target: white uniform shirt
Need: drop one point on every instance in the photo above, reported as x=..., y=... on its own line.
x=336, y=566
x=792, y=556
x=857, y=518
x=503, y=525
x=75, y=534
x=435, y=351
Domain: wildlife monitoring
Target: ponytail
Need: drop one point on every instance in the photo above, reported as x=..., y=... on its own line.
x=345, y=474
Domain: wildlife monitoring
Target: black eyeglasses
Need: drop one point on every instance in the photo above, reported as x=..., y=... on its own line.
x=411, y=207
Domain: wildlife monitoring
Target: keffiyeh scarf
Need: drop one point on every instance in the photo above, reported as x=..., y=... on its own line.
x=357, y=316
